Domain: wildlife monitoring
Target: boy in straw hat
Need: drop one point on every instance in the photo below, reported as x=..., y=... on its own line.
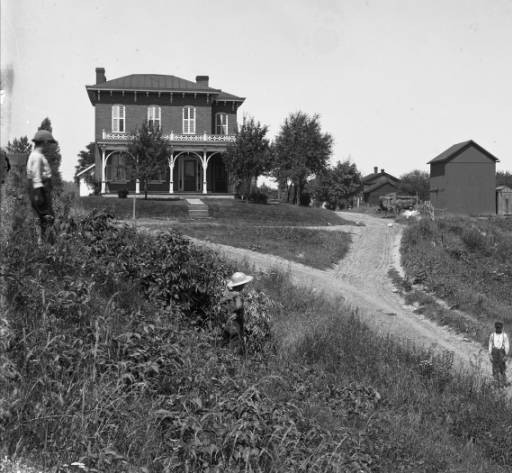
x=234, y=327
x=498, y=349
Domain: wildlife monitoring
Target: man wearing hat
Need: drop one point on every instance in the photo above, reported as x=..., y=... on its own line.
x=498, y=349
x=232, y=300
x=39, y=181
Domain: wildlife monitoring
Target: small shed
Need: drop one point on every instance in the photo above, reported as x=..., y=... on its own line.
x=503, y=200
x=463, y=180
x=84, y=187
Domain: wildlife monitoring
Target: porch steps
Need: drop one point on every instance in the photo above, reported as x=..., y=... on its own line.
x=197, y=209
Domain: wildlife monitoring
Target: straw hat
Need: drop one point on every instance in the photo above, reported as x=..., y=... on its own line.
x=239, y=278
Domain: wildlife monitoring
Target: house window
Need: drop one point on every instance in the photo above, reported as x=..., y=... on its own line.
x=189, y=120
x=221, y=124
x=118, y=119
x=154, y=116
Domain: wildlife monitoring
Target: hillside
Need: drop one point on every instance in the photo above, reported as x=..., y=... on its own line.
x=113, y=357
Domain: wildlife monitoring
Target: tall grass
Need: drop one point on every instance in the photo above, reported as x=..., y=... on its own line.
x=114, y=359
x=468, y=263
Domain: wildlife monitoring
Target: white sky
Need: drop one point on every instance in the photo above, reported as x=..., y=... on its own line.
x=394, y=81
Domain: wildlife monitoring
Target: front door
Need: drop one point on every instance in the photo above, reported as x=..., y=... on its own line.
x=190, y=175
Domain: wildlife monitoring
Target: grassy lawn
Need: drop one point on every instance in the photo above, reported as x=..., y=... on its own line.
x=316, y=248
x=224, y=210
x=122, y=208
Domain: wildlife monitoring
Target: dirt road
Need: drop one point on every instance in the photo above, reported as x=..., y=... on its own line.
x=361, y=278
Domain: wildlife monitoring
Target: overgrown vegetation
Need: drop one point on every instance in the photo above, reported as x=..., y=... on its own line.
x=468, y=263
x=111, y=356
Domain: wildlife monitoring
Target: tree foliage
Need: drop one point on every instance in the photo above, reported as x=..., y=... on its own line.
x=85, y=159
x=149, y=149
x=416, y=182
x=19, y=145
x=301, y=150
x=249, y=156
x=337, y=186
x=504, y=178
x=52, y=154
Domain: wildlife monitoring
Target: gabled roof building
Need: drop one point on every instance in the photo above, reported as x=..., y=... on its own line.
x=198, y=122
x=463, y=180
x=378, y=184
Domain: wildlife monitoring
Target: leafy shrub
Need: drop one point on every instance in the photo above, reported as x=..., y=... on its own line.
x=474, y=239
x=122, y=193
x=258, y=197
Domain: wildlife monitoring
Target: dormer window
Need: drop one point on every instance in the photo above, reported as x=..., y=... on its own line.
x=154, y=115
x=118, y=119
x=221, y=124
x=189, y=120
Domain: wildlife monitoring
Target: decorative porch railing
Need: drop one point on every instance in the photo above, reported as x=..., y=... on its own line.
x=176, y=137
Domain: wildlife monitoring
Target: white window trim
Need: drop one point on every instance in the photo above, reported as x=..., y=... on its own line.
x=155, y=114
x=117, y=116
x=218, y=125
x=190, y=128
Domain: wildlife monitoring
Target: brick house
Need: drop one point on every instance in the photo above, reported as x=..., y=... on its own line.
x=197, y=121
x=378, y=184
x=463, y=180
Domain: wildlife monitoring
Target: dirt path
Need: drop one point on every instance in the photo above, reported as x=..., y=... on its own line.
x=361, y=278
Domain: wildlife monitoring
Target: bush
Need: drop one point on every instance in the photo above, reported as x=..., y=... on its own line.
x=122, y=193
x=258, y=197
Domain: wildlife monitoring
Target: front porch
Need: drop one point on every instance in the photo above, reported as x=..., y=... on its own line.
x=194, y=166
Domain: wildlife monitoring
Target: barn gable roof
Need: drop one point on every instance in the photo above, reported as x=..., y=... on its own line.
x=458, y=148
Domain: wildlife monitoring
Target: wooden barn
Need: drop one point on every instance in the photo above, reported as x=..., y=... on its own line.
x=503, y=200
x=377, y=184
x=463, y=180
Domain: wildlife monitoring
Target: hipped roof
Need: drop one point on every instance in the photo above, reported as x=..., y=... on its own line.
x=161, y=83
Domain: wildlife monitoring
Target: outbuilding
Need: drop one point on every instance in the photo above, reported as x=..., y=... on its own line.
x=83, y=179
x=378, y=184
x=463, y=180
x=503, y=200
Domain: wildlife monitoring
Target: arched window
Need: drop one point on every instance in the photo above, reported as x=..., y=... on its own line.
x=118, y=118
x=221, y=124
x=154, y=116
x=189, y=120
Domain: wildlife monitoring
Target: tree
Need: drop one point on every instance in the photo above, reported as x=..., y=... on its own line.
x=249, y=156
x=337, y=186
x=19, y=145
x=416, y=182
x=301, y=150
x=85, y=159
x=504, y=178
x=149, y=149
x=53, y=156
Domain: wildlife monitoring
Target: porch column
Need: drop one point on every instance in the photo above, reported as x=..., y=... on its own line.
x=103, y=169
x=171, y=174
x=204, y=162
x=137, y=186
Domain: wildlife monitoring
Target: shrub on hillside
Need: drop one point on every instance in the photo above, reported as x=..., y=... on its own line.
x=258, y=197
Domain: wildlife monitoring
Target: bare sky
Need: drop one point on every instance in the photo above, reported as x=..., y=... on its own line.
x=394, y=81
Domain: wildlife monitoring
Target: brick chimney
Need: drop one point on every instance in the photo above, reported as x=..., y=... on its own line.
x=382, y=170
x=202, y=80
x=100, y=75
x=375, y=170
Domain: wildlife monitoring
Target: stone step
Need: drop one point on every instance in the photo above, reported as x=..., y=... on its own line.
x=198, y=213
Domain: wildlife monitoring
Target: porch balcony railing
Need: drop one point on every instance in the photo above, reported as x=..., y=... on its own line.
x=173, y=137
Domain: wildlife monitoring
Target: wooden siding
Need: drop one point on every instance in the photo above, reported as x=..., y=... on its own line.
x=468, y=185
